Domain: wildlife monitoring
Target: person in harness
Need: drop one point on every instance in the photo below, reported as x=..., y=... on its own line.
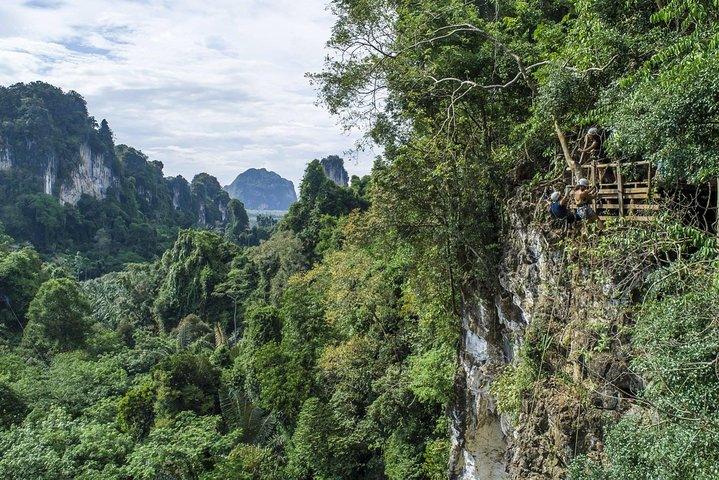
x=583, y=196
x=558, y=207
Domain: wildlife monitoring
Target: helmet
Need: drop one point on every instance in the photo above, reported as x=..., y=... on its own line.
x=583, y=182
x=555, y=196
x=593, y=131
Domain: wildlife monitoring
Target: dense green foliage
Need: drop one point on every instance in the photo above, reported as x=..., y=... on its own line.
x=56, y=317
x=673, y=432
x=288, y=360
x=470, y=99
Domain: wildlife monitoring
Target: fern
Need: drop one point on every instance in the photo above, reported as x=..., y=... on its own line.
x=240, y=413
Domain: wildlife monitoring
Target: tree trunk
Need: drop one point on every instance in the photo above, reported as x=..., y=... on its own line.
x=571, y=164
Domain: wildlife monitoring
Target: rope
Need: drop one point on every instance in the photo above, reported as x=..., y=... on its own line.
x=7, y=302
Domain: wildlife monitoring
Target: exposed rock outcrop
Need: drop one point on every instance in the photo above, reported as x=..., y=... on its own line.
x=579, y=381
x=334, y=168
x=84, y=172
x=181, y=194
x=5, y=159
x=478, y=442
x=92, y=176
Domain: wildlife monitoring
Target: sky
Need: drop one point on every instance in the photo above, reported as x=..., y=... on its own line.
x=215, y=85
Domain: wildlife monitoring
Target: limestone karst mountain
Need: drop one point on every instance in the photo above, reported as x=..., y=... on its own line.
x=67, y=188
x=261, y=189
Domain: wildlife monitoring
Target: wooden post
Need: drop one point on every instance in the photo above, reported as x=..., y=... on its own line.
x=593, y=176
x=620, y=190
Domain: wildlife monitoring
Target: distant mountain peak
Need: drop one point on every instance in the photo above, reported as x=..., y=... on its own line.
x=262, y=189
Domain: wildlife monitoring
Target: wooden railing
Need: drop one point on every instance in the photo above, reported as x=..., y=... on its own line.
x=620, y=195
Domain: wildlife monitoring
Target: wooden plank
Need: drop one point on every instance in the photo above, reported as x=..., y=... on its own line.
x=620, y=190
x=629, y=196
x=631, y=218
x=613, y=206
x=624, y=190
x=616, y=164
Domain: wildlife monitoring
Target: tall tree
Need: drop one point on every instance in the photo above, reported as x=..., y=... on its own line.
x=57, y=317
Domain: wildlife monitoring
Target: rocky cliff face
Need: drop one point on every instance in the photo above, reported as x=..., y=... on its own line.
x=552, y=310
x=479, y=443
x=92, y=176
x=181, y=194
x=334, y=168
x=261, y=189
x=5, y=159
x=86, y=171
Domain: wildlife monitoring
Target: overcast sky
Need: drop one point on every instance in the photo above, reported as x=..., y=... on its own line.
x=213, y=85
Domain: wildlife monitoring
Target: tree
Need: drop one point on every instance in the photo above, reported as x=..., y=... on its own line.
x=197, y=263
x=20, y=277
x=106, y=135
x=192, y=329
x=247, y=462
x=238, y=287
x=183, y=448
x=57, y=317
x=313, y=442
x=135, y=410
x=273, y=263
x=186, y=381
x=263, y=324
x=12, y=408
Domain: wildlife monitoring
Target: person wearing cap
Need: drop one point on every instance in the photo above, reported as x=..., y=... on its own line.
x=558, y=206
x=592, y=144
x=583, y=195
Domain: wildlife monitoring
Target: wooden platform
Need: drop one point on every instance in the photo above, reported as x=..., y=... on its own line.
x=618, y=194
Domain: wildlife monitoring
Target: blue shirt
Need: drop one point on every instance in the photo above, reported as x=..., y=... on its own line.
x=557, y=210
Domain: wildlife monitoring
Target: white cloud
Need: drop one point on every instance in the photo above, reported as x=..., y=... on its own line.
x=214, y=86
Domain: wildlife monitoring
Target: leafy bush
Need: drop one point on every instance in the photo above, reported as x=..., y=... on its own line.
x=674, y=435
